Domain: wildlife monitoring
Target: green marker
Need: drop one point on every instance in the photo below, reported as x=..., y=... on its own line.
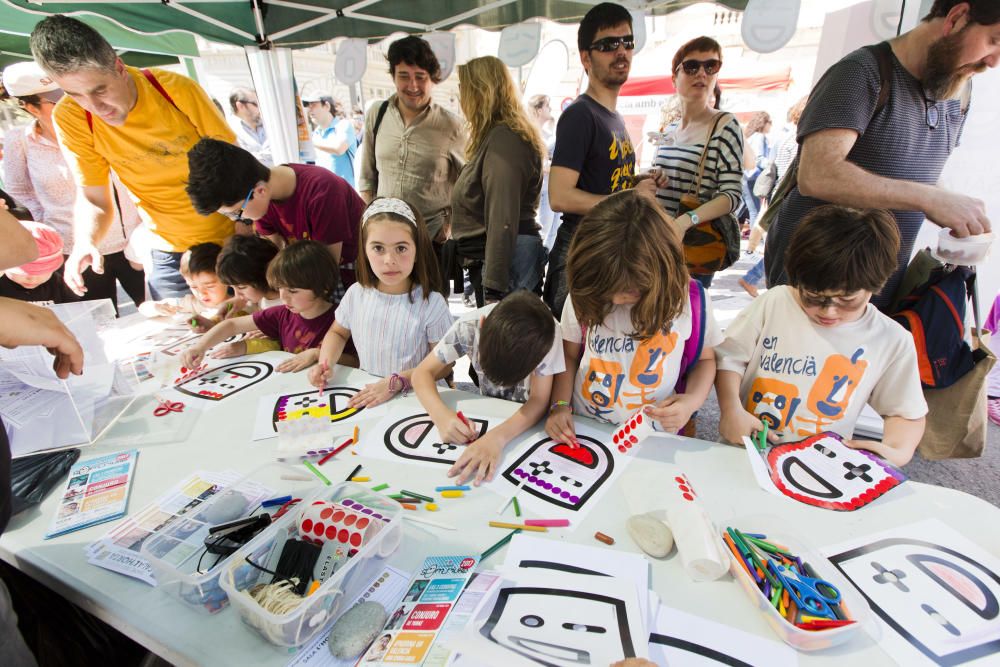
x=380, y=487
x=763, y=438
x=499, y=545
x=517, y=507
x=316, y=472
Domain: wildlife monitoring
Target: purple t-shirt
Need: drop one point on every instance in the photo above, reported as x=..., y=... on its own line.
x=324, y=208
x=294, y=332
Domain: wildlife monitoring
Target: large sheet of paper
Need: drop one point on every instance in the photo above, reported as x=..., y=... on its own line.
x=680, y=639
x=556, y=481
x=935, y=593
x=412, y=437
x=288, y=406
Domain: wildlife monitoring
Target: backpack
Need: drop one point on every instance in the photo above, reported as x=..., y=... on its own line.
x=934, y=314
x=883, y=55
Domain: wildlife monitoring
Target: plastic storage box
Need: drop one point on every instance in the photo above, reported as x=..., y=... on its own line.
x=337, y=592
x=967, y=251
x=173, y=552
x=803, y=640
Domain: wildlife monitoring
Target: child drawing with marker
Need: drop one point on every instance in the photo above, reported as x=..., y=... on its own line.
x=514, y=347
x=805, y=357
x=305, y=274
x=637, y=331
x=242, y=265
x=394, y=313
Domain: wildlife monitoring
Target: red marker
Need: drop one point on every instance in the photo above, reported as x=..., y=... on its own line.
x=465, y=421
x=335, y=452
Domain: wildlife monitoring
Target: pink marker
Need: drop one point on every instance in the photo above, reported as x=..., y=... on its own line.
x=549, y=523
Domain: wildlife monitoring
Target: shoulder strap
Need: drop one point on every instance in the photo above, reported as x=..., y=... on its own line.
x=883, y=55
x=696, y=341
x=696, y=183
x=378, y=121
x=155, y=84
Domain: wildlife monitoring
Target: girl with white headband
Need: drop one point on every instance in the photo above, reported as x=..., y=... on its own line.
x=395, y=313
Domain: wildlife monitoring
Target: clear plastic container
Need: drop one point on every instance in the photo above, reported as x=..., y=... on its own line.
x=967, y=251
x=176, y=551
x=802, y=640
x=309, y=618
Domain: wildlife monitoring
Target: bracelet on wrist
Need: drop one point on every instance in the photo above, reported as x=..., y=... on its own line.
x=400, y=381
x=560, y=404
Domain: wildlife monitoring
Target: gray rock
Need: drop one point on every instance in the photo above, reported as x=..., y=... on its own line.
x=356, y=629
x=652, y=535
x=228, y=507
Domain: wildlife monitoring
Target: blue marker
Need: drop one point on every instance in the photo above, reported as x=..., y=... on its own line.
x=276, y=501
x=462, y=487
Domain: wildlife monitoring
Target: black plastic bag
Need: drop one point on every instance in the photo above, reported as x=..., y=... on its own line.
x=32, y=477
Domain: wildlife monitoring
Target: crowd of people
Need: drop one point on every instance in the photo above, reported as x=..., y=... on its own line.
x=589, y=277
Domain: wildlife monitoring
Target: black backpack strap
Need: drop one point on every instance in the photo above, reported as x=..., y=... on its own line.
x=883, y=56
x=378, y=121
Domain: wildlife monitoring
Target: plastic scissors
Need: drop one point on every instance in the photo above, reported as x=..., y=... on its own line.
x=810, y=594
x=167, y=406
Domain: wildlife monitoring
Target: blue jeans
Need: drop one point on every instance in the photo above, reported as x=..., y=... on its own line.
x=751, y=201
x=165, y=279
x=756, y=273
x=528, y=264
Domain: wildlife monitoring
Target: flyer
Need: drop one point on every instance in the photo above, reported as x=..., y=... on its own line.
x=97, y=491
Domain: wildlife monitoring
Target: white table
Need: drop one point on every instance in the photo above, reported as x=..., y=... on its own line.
x=219, y=438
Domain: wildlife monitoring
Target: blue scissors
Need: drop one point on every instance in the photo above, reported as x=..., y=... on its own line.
x=812, y=595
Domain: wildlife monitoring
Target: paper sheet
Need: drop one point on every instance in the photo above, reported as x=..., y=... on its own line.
x=291, y=405
x=558, y=481
x=413, y=438
x=680, y=639
x=387, y=589
x=935, y=593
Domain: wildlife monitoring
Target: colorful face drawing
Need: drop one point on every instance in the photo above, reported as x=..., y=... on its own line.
x=332, y=404
x=646, y=369
x=942, y=602
x=217, y=383
x=603, y=383
x=831, y=392
x=562, y=475
x=416, y=438
x=824, y=472
x=530, y=622
x=773, y=401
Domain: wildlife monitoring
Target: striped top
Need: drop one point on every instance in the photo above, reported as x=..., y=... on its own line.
x=897, y=143
x=390, y=333
x=723, y=167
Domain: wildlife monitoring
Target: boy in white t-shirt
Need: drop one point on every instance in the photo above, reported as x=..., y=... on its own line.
x=515, y=348
x=807, y=356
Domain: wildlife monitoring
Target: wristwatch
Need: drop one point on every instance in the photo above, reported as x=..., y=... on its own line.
x=694, y=218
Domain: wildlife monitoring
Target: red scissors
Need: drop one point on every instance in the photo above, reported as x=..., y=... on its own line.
x=166, y=407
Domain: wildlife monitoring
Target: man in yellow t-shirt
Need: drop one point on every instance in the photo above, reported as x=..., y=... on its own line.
x=141, y=123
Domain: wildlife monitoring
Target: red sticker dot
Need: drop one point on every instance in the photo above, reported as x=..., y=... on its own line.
x=621, y=448
x=628, y=428
x=318, y=529
x=614, y=438
x=338, y=516
x=356, y=540
x=331, y=532
x=343, y=535
x=362, y=523
x=683, y=488
x=633, y=439
x=638, y=418
x=307, y=525
x=350, y=519
x=688, y=496
x=318, y=502
x=325, y=514
x=679, y=480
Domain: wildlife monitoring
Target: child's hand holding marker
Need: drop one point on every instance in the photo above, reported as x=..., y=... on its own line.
x=735, y=424
x=318, y=375
x=559, y=425
x=453, y=427
x=200, y=324
x=192, y=356
x=479, y=460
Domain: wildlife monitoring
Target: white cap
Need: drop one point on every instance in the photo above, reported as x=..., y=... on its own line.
x=27, y=78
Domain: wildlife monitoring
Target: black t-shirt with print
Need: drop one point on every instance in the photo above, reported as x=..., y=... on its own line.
x=594, y=142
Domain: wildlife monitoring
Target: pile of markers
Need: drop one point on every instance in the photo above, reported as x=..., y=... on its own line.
x=790, y=585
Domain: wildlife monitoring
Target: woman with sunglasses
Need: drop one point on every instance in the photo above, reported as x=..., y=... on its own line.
x=36, y=176
x=687, y=199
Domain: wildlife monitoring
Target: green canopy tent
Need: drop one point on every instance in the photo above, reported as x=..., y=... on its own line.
x=135, y=49
x=301, y=23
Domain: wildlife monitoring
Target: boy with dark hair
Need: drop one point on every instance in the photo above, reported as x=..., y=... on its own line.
x=806, y=357
x=242, y=265
x=288, y=202
x=208, y=293
x=514, y=348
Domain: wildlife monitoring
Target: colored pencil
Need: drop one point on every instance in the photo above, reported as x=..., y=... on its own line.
x=354, y=472
x=416, y=495
x=512, y=526
x=316, y=472
x=499, y=545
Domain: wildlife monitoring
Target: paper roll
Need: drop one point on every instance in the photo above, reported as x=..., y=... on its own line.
x=698, y=542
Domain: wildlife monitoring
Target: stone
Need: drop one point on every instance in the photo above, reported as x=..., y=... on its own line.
x=652, y=535
x=356, y=630
x=227, y=507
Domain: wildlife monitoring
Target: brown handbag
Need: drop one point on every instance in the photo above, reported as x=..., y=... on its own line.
x=713, y=245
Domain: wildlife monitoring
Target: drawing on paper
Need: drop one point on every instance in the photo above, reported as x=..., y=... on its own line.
x=560, y=474
x=696, y=649
x=416, y=438
x=332, y=404
x=215, y=384
x=824, y=472
x=941, y=601
x=534, y=622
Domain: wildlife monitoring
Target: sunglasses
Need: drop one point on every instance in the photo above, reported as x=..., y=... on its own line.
x=931, y=113
x=692, y=66
x=822, y=301
x=609, y=44
x=236, y=216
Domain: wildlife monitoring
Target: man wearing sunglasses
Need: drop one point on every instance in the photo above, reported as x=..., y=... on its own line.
x=593, y=154
x=248, y=125
x=862, y=150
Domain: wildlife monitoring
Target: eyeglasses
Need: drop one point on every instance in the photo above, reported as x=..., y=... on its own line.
x=692, y=66
x=609, y=44
x=932, y=114
x=250, y=102
x=236, y=216
x=822, y=301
